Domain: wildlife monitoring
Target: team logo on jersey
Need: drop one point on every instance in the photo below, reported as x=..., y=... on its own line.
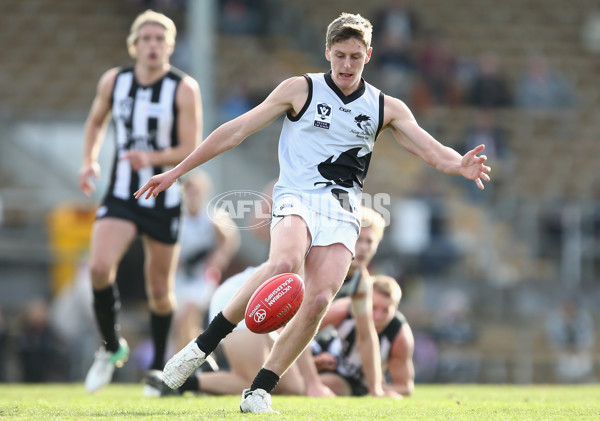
x=323, y=115
x=125, y=108
x=364, y=122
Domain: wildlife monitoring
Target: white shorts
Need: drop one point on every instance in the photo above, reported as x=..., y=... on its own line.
x=197, y=291
x=324, y=230
x=227, y=290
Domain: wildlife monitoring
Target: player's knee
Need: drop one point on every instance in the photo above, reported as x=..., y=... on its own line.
x=162, y=305
x=100, y=274
x=321, y=302
x=284, y=265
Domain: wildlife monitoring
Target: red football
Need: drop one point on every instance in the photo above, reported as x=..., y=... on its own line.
x=274, y=303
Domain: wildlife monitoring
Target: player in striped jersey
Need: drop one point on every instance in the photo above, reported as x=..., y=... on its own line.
x=328, y=135
x=156, y=111
x=338, y=356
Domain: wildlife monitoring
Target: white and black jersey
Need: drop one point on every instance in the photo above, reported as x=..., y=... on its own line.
x=343, y=345
x=325, y=150
x=144, y=118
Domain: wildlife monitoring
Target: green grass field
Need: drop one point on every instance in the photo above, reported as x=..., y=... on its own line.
x=440, y=402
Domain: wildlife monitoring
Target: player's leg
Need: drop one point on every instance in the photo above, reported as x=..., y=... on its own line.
x=160, y=264
x=187, y=323
x=325, y=268
x=293, y=381
x=245, y=351
x=111, y=237
x=290, y=239
x=336, y=383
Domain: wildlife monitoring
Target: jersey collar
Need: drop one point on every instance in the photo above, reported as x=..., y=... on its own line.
x=345, y=99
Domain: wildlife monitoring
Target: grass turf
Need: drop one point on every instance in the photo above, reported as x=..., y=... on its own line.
x=430, y=402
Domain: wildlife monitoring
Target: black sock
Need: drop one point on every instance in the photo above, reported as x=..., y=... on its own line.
x=218, y=328
x=159, y=326
x=191, y=384
x=266, y=380
x=106, y=307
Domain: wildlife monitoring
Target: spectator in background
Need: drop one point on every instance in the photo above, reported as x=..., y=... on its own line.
x=398, y=19
x=543, y=88
x=570, y=330
x=236, y=101
x=209, y=239
x=39, y=348
x=590, y=31
x=72, y=317
x=484, y=127
x=239, y=17
x=437, y=62
x=394, y=55
x=489, y=87
x=454, y=332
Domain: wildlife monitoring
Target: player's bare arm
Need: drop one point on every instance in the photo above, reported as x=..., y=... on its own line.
x=416, y=140
x=189, y=128
x=401, y=367
x=368, y=341
x=228, y=242
x=94, y=130
x=289, y=96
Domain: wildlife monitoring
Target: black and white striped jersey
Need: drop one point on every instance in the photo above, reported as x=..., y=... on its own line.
x=344, y=345
x=144, y=118
x=325, y=150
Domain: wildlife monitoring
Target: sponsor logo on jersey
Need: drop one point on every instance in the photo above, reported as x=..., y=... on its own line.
x=365, y=124
x=323, y=115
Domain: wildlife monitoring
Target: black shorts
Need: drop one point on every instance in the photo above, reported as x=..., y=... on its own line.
x=359, y=387
x=160, y=224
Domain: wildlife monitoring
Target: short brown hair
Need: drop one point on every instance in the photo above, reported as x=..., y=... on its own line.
x=386, y=285
x=348, y=26
x=150, y=16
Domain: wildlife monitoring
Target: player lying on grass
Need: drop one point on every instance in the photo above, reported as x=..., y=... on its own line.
x=337, y=350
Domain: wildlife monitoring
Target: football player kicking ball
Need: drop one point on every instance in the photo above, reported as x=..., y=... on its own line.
x=246, y=351
x=328, y=135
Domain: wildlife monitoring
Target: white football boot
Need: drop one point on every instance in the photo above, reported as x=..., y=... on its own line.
x=257, y=402
x=101, y=371
x=182, y=365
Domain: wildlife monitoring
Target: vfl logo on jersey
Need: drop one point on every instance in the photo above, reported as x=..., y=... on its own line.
x=365, y=124
x=323, y=115
x=125, y=109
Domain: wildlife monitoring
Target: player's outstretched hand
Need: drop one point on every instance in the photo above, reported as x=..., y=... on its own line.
x=473, y=166
x=156, y=184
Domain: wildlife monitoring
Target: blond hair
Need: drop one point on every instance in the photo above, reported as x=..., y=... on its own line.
x=348, y=26
x=373, y=219
x=386, y=285
x=150, y=16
